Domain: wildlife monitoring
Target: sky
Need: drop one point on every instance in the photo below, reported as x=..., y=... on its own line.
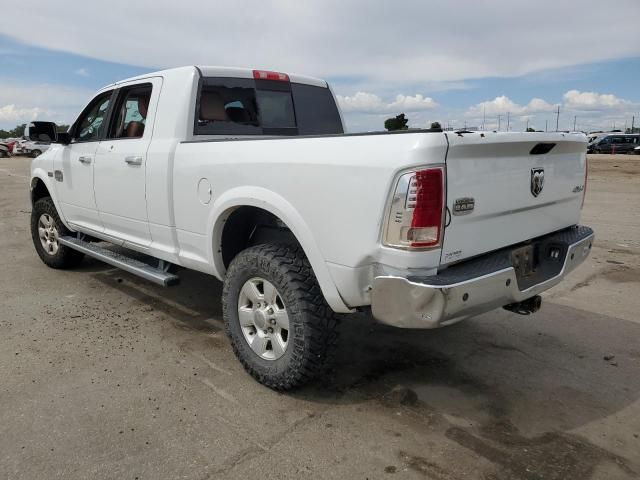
x=498, y=63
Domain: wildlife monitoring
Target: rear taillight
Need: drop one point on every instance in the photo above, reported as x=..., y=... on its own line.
x=267, y=75
x=416, y=215
x=586, y=176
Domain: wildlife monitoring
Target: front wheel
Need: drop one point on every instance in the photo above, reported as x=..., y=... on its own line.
x=35, y=153
x=46, y=229
x=281, y=328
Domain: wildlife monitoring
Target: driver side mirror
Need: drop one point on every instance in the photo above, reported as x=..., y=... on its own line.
x=46, y=132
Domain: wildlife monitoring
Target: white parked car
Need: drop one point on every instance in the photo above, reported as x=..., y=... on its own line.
x=248, y=176
x=19, y=147
x=35, y=148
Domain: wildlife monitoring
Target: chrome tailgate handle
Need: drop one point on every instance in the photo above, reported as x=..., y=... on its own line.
x=85, y=160
x=133, y=160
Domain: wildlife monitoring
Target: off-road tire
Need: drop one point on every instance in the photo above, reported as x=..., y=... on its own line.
x=65, y=257
x=313, y=325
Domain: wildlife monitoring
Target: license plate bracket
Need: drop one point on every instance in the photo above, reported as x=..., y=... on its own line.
x=523, y=260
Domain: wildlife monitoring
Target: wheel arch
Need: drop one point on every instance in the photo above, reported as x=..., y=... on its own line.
x=40, y=187
x=275, y=205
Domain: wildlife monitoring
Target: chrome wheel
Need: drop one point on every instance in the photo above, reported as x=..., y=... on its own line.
x=48, y=233
x=263, y=318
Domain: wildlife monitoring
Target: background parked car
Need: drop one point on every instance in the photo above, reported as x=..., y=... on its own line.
x=4, y=150
x=18, y=147
x=35, y=149
x=615, y=143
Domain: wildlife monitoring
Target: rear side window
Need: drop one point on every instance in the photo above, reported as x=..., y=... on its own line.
x=236, y=106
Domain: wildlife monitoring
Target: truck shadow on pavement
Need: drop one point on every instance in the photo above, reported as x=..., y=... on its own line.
x=527, y=394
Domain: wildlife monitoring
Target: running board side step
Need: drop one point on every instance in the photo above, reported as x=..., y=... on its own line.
x=128, y=264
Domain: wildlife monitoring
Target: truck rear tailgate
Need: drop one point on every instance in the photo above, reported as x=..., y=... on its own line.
x=505, y=188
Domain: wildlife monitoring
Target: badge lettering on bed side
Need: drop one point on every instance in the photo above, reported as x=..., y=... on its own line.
x=463, y=206
x=452, y=256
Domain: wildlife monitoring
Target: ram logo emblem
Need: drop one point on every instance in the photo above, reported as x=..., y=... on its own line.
x=537, y=181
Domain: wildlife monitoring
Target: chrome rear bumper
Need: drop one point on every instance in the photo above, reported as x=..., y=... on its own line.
x=476, y=286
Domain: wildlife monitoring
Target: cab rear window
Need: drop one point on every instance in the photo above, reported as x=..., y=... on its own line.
x=237, y=106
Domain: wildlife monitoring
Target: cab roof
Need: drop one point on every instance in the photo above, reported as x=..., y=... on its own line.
x=213, y=71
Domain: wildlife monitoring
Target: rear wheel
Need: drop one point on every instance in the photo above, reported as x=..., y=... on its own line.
x=46, y=229
x=281, y=328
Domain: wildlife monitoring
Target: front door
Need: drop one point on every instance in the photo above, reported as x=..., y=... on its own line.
x=74, y=167
x=120, y=167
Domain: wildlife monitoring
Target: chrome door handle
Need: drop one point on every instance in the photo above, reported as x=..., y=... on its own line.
x=133, y=160
x=85, y=160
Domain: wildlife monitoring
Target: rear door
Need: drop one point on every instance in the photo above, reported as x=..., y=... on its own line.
x=505, y=188
x=120, y=167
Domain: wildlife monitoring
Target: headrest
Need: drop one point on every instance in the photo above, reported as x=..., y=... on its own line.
x=212, y=107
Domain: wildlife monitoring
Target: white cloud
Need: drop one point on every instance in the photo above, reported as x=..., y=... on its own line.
x=20, y=103
x=83, y=72
x=417, y=42
x=593, y=101
x=414, y=103
x=363, y=102
x=11, y=113
x=503, y=104
x=589, y=110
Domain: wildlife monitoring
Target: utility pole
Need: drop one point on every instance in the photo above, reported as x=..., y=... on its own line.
x=557, y=118
x=508, y=120
x=499, y=118
x=575, y=117
x=633, y=122
x=546, y=122
x=484, y=115
x=527, y=129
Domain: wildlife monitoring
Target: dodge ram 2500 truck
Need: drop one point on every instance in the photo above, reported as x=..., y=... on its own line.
x=247, y=175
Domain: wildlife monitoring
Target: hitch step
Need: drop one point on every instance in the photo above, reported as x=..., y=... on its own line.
x=156, y=275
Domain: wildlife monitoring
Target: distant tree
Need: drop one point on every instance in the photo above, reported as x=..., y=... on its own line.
x=19, y=130
x=436, y=125
x=397, y=123
x=15, y=132
x=529, y=129
x=62, y=128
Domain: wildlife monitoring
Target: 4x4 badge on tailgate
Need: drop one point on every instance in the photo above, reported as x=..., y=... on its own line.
x=537, y=181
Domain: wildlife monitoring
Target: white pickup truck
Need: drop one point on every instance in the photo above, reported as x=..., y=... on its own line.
x=248, y=176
